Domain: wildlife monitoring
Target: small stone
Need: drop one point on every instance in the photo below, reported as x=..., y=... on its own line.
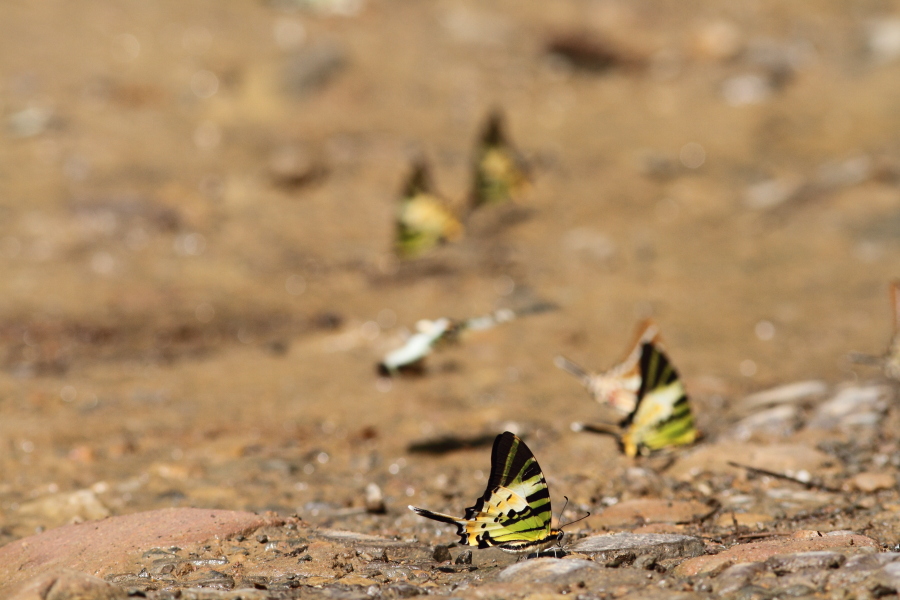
x=750, y=88
x=782, y=564
x=546, y=570
x=441, y=553
x=884, y=40
x=357, y=580
x=65, y=507
x=736, y=577
x=719, y=40
x=464, y=558
x=780, y=421
x=310, y=68
x=771, y=192
x=853, y=406
x=375, y=500
x=785, y=394
x=872, y=482
x=262, y=538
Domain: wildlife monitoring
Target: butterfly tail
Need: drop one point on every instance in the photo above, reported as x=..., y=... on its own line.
x=572, y=369
x=436, y=516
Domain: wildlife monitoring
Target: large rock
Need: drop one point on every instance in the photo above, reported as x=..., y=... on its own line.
x=65, y=584
x=103, y=547
x=800, y=542
x=659, y=546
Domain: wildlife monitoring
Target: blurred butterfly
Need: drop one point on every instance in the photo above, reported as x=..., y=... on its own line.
x=619, y=385
x=890, y=360
x=662, y=416
x=410, y=358
x=500, y=172
x=514, y=511
x=423, y=220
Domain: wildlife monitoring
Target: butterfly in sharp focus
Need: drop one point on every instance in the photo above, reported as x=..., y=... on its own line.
x=514, y=511
x=890, y=360
x=500, y=172
x=662, y=416
x=423, y=220
x=618, y=386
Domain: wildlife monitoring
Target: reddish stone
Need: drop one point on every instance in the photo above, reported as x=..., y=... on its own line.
x=800, y=541
x=103, y=547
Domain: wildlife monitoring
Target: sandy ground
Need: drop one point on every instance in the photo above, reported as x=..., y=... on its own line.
x=196, y=220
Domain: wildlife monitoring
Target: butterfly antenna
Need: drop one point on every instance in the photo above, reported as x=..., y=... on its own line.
x=559, y=545
x=570, y=522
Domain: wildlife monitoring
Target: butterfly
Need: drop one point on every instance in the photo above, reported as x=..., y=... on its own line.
x=662, y=416
x=500, y=172
x=514, y=511
x=617, y=386
x=890, y=360
x=423, y=220
x=410, y=358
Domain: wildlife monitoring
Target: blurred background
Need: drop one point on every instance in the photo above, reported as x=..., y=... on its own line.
x=197, y=205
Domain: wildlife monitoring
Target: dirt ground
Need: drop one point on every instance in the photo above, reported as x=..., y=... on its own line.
x=196, y=222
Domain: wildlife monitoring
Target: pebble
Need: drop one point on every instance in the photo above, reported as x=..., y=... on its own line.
x=719, y=40
x=375, y=500
x=883, y=40
x=872, y=482
x=606, y=548
x=750, y=88
x=359, y=539
x=780, y=421
x=310, y=68
x=441, y=554
x=853, y=406
x=785, y=394
x=546, y=570
x=772, y=192
x=781, y=564
x=464, y=558
x=736, y=577
x=29, y=122
x=65, y=507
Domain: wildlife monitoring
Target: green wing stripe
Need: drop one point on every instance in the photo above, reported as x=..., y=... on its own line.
x=514, y=511
x=662, y=416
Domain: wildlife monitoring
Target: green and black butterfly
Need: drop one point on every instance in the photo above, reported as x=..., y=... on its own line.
x=514, y=511
x=500, y=172
x=662, y=416
x=423, y=220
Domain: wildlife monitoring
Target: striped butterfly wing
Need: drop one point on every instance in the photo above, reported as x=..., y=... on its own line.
x=423, y=221
x=663, y=416
x=514, y=511
x=500, y=172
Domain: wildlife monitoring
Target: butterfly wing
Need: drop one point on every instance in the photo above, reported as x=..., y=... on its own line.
x=514, y=511
x=500, y=172
x=619, y=385
x=662, y=417
x=423, y=221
